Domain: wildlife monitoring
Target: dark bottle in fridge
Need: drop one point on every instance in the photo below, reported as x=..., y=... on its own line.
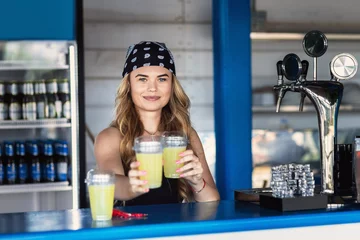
x=3, y=104
x=55, y=105
x=49, y=162
x=10, y=172
x=20, y=87
x=35, y=172
x=64, y=95
x=7, y=98
x=22, y=164
x=2, y=175
x=42, y=106
x=14, y=103
x=29, y=102
x=61, y=161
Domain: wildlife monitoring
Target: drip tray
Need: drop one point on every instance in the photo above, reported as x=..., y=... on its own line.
x=297, y=203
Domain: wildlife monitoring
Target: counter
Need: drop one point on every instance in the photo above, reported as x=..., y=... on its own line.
x=171, y=220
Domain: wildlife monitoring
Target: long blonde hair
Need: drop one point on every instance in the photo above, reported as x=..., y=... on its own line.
x=174, y=117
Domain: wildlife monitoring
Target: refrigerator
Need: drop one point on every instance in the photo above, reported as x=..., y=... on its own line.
x=41, y=55
x=39, y=183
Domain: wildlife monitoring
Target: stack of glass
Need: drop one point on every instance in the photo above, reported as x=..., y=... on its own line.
x=291, y=180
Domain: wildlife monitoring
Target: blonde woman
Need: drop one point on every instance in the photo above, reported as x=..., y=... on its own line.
x=150, y=100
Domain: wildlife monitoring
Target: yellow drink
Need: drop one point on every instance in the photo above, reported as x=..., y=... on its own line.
x=171, y=155
x=101, y=201
x=152, y=164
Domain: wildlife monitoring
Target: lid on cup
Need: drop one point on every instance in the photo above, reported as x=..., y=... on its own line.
x=148, y=147
x=148, y=144
x=174, y=139
x=95, y=176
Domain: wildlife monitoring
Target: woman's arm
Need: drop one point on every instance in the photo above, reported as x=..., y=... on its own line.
x=107, y=154
x=196, y=170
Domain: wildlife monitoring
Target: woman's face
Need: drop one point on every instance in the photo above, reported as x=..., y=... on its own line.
x=150, y=87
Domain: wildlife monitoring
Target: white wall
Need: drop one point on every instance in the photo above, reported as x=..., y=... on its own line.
x=185, y=26
x=301, y=16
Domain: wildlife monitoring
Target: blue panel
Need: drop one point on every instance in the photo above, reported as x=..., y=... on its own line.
x=232, y=79
x=37, y=20
x=167, y=220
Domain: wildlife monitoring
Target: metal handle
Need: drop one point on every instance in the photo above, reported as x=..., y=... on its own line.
x=305, y=68
x=282, y=92
x=302, y=99
x=280, y=72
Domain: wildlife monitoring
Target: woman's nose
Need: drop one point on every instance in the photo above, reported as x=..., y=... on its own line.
x=152, y=86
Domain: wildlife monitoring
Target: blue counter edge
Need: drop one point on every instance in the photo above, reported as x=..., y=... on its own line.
x=199, y=227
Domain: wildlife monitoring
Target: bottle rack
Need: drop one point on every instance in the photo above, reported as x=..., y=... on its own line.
x=39, y=123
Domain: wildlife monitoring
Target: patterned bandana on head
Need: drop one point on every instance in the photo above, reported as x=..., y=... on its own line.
x=148, y=53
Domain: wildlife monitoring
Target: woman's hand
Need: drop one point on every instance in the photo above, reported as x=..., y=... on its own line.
x=137, y=185
x=192, y=169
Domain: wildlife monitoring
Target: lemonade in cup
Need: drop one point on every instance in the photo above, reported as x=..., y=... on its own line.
x=149, y=153
x=174, y=143
x=101, y=186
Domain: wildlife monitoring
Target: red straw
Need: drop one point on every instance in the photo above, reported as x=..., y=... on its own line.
x=118, y=213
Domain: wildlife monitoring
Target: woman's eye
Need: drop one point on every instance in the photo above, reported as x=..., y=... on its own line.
x=162, y=79
x=142, y=79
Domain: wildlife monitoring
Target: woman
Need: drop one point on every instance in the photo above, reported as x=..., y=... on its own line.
x=150, y=100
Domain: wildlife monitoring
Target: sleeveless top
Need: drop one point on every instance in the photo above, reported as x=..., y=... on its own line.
x=167, y=193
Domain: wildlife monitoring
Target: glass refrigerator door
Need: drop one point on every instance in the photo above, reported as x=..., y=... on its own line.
x=39, y=124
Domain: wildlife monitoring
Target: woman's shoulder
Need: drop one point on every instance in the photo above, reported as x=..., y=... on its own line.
x=110, y=135
x=193, y=134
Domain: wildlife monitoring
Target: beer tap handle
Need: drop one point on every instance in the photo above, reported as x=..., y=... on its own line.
x=280, y=97
x=305, y=67
x=332, y=77
x=280, y=72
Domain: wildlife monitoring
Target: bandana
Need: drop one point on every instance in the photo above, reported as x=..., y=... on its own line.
x=148, y=53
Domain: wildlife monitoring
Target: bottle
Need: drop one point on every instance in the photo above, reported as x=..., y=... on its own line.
x=62, y=160
x=7, y=98
x=64, y=95
x=34, y=163
x=21, y=96
x=10, y=163
x=3, y=103
x=30, y=102
x=55, y=105
x=2, y=175
x=41, y=146
x=22, y=164
x=42, y=106
x=14, y=104
x=49, y=163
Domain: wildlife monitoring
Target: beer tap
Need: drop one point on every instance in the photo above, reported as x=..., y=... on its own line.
x=305, y=67
x=290, y=68
x=343, y=66
x=281, y=93
x=315, y=45
x=325, y=95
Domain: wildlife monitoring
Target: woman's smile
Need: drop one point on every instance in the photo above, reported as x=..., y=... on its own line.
x=152, y=98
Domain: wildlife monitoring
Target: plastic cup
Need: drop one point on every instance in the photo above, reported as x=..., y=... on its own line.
x=174, y=143
x=101, y=186
x=148, y=151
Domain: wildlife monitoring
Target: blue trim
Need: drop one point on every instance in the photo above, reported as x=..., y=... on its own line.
x=157, y=229
x=37, y=20
x=232, y=86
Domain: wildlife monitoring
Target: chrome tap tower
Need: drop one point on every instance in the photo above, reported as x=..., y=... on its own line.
x=326, y=95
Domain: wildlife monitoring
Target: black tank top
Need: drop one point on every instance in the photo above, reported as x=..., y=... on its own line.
x=167, y=193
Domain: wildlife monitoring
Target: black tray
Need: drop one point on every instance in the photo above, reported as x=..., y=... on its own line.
x=297, y=203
